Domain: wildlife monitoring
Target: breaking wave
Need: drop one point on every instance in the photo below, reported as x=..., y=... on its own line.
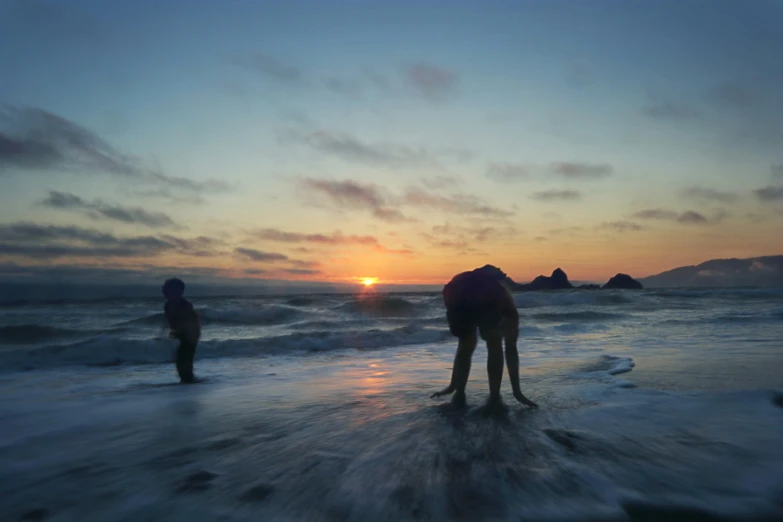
x=107, y=351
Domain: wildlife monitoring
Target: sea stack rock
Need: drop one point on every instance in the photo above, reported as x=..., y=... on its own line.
x=623, y=281
x=557, y=281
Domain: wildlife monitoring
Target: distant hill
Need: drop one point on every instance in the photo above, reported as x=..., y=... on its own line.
x=754, y=271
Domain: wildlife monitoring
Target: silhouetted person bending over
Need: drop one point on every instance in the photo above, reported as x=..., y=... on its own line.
x=184, y=324
x=476, y=300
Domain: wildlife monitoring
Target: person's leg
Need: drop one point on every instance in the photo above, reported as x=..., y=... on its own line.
x=494, y=366
x=461, y=371
x=185, y=354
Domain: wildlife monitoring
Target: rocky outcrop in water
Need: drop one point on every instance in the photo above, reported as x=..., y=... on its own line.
x=559, y=281
x=623, y=281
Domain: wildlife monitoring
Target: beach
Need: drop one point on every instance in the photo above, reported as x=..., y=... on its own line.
x=654, y=405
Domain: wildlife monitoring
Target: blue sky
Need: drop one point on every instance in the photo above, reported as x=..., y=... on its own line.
x=600, y=136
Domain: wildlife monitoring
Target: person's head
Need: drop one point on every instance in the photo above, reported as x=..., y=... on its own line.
x=173, y=288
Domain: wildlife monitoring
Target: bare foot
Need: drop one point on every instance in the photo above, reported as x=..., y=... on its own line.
x=524, y=400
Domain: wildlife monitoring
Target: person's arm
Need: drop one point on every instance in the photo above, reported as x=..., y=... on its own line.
x=512, y=355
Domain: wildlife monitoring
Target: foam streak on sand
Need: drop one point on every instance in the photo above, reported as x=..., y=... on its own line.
x=362, y=441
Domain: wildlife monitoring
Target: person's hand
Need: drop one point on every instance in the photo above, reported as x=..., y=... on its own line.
x=445, y=391
x=524, y=400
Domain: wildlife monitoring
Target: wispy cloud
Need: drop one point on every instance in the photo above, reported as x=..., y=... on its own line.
x=352, y=149
x=692, y=217
x=776, y=171
x=301, y=271
x=34, y=139
x=655, y=213
x=672, y=111
x=581, y=171
x=335, y=238
x=708, y=194
x=274, y=68
x=257, y=255
x=620, y=226
x=440, y=182
x=733, y=94
x=34, y=240
x=99, y=209
x=687, y=217
x=457, y=203
x=352, y=195
x=557, y=195
x=769, y=194
x=540, y=239
x=508, y=172
x=432, y=82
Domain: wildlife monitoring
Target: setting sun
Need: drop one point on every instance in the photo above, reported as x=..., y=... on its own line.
x=369, y=281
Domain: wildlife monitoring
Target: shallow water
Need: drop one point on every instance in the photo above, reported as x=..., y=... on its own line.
x=653, y=406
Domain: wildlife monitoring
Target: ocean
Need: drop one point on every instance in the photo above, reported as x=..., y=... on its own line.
x=654, y=405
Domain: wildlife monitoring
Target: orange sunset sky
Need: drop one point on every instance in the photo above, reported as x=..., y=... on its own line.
x=287, y=140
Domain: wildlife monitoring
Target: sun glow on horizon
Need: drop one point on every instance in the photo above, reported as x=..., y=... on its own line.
x=369, y=281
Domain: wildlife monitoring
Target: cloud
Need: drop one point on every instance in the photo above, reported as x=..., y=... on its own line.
x=571, y=231
x=776, y=171
x=351, y=149
x=477, y=234
x=101, y=210
x=671, y=111
x=655, y=213
x=708, y=194
x=507, y=172
x=257, y=255
x=254, y=271
x=42, y=241
x=769, y=194
x=440, y=182
x=734, y=95
x=354, y=195
x=169, y=195
x=343, y=86
x=462, y=239
x=457, y=203
x=335, y=238
x=274, y=69
x=557, y=195
x=585, y=171
x=32, y=138
x=691, y=217
x=688, y=217
x=540, y=239
x=432, y=82
x=300, y=271
x=620, y=226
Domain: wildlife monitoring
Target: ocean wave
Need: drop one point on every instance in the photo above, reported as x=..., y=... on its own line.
x=266, y=315
x=585, y=316
x=720, y=293
x=34, y=333
x=573, y=298
x=380, y=305
x=106, y=350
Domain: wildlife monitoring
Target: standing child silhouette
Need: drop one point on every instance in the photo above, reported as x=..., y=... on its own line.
x=184, y=324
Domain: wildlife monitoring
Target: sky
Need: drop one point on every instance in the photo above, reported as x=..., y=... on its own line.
x=404, y=141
